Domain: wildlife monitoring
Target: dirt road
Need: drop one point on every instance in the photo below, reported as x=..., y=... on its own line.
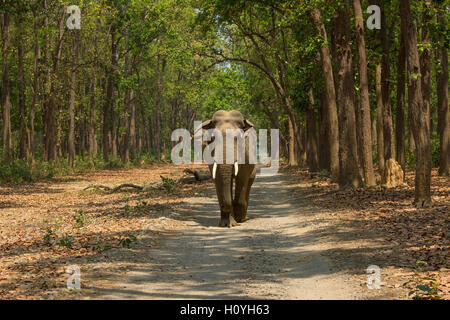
x=282, y=252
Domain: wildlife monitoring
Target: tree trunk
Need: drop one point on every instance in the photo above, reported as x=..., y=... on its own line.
x=92, y=121
x=324, y=149
x=157, y=114
x=73, y=81
x=417, y=109
x=21, y=85
x=59, y=133
x=6, y=102
x=443, y=112
x=348, y=148
x=388, y=129
x=292, y=157
x=114, y=127
x=49, y=112
x=364, y=112
x=425, y=59
x=330, y=94
x=132, y=134
x=37, y=56
x=374, y=136
x=108, y=106
x=400, y=112
x=311, y=131
x=380, y=122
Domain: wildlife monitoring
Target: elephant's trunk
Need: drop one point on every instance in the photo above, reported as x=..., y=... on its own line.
x=224, y=180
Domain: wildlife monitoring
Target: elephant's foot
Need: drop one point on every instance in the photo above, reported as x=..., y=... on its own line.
x=240, y=214
x=227, y=221
x=242, y=219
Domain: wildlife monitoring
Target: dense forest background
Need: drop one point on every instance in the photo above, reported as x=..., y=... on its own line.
x=348, y=99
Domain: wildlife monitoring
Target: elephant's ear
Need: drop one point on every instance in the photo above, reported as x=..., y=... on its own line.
x=248, y=125
x=208, y=124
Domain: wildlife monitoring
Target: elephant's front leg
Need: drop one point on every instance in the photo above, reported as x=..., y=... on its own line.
x=227, y=215
x=226, y=206
x=240, y=202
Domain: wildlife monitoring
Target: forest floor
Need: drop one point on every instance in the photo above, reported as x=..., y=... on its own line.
x=305, y=239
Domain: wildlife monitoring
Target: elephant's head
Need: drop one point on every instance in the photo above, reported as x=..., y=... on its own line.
x=223, y=173
x=225, y=122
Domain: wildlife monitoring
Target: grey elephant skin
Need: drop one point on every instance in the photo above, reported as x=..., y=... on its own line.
x=232, y=209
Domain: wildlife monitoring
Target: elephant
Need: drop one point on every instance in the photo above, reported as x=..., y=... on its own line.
x=232, y=210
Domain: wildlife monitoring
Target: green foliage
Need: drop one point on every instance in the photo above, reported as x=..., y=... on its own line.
x=80, y=218
x=133, y=210
x=168, y=184
x=48, y=235
x=101, y=247
x=126, y=242
x=51, y=236
x=20, y=171
x=424, y=287
x=435, y=152
x=15, y=171
x=323, y=173
x=65, y=241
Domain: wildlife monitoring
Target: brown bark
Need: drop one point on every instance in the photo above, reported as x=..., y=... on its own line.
x=132, y=135
x=348, y=148
x=292, y=157
x=417, y=109
x=114, y=127
x=50, y=105
x=425, y=59
x=5, y=99
x=311, y=132
x=73, y=81
x=388, y=128
x=380, y=122
x=302, y=152
x=125, y=152
x=324, y=150
x=21, y=85
x=157, y=114
x=37, y=55
x=59, y=133
x=412, y=144
x=364, y=105
x=330, y=94
x=374, y=136
x=400, y=112
x=92, y=120
x=108, y=106
x=443, y=110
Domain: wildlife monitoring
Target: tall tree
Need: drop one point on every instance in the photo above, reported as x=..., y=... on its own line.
x=417, y=109
x=442, y=94
x=364, y=104
x=73, y=83
x=6, y=100
x=157, y=115
x=330, y=93
x=348, y=149
x=21, y=86
x=380, y=121
x=400, y=112
x=388, y=129
x=425, y=58
x=51, y=86
x=311, y=131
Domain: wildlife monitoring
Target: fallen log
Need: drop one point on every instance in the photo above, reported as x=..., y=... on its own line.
x=197, y=177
